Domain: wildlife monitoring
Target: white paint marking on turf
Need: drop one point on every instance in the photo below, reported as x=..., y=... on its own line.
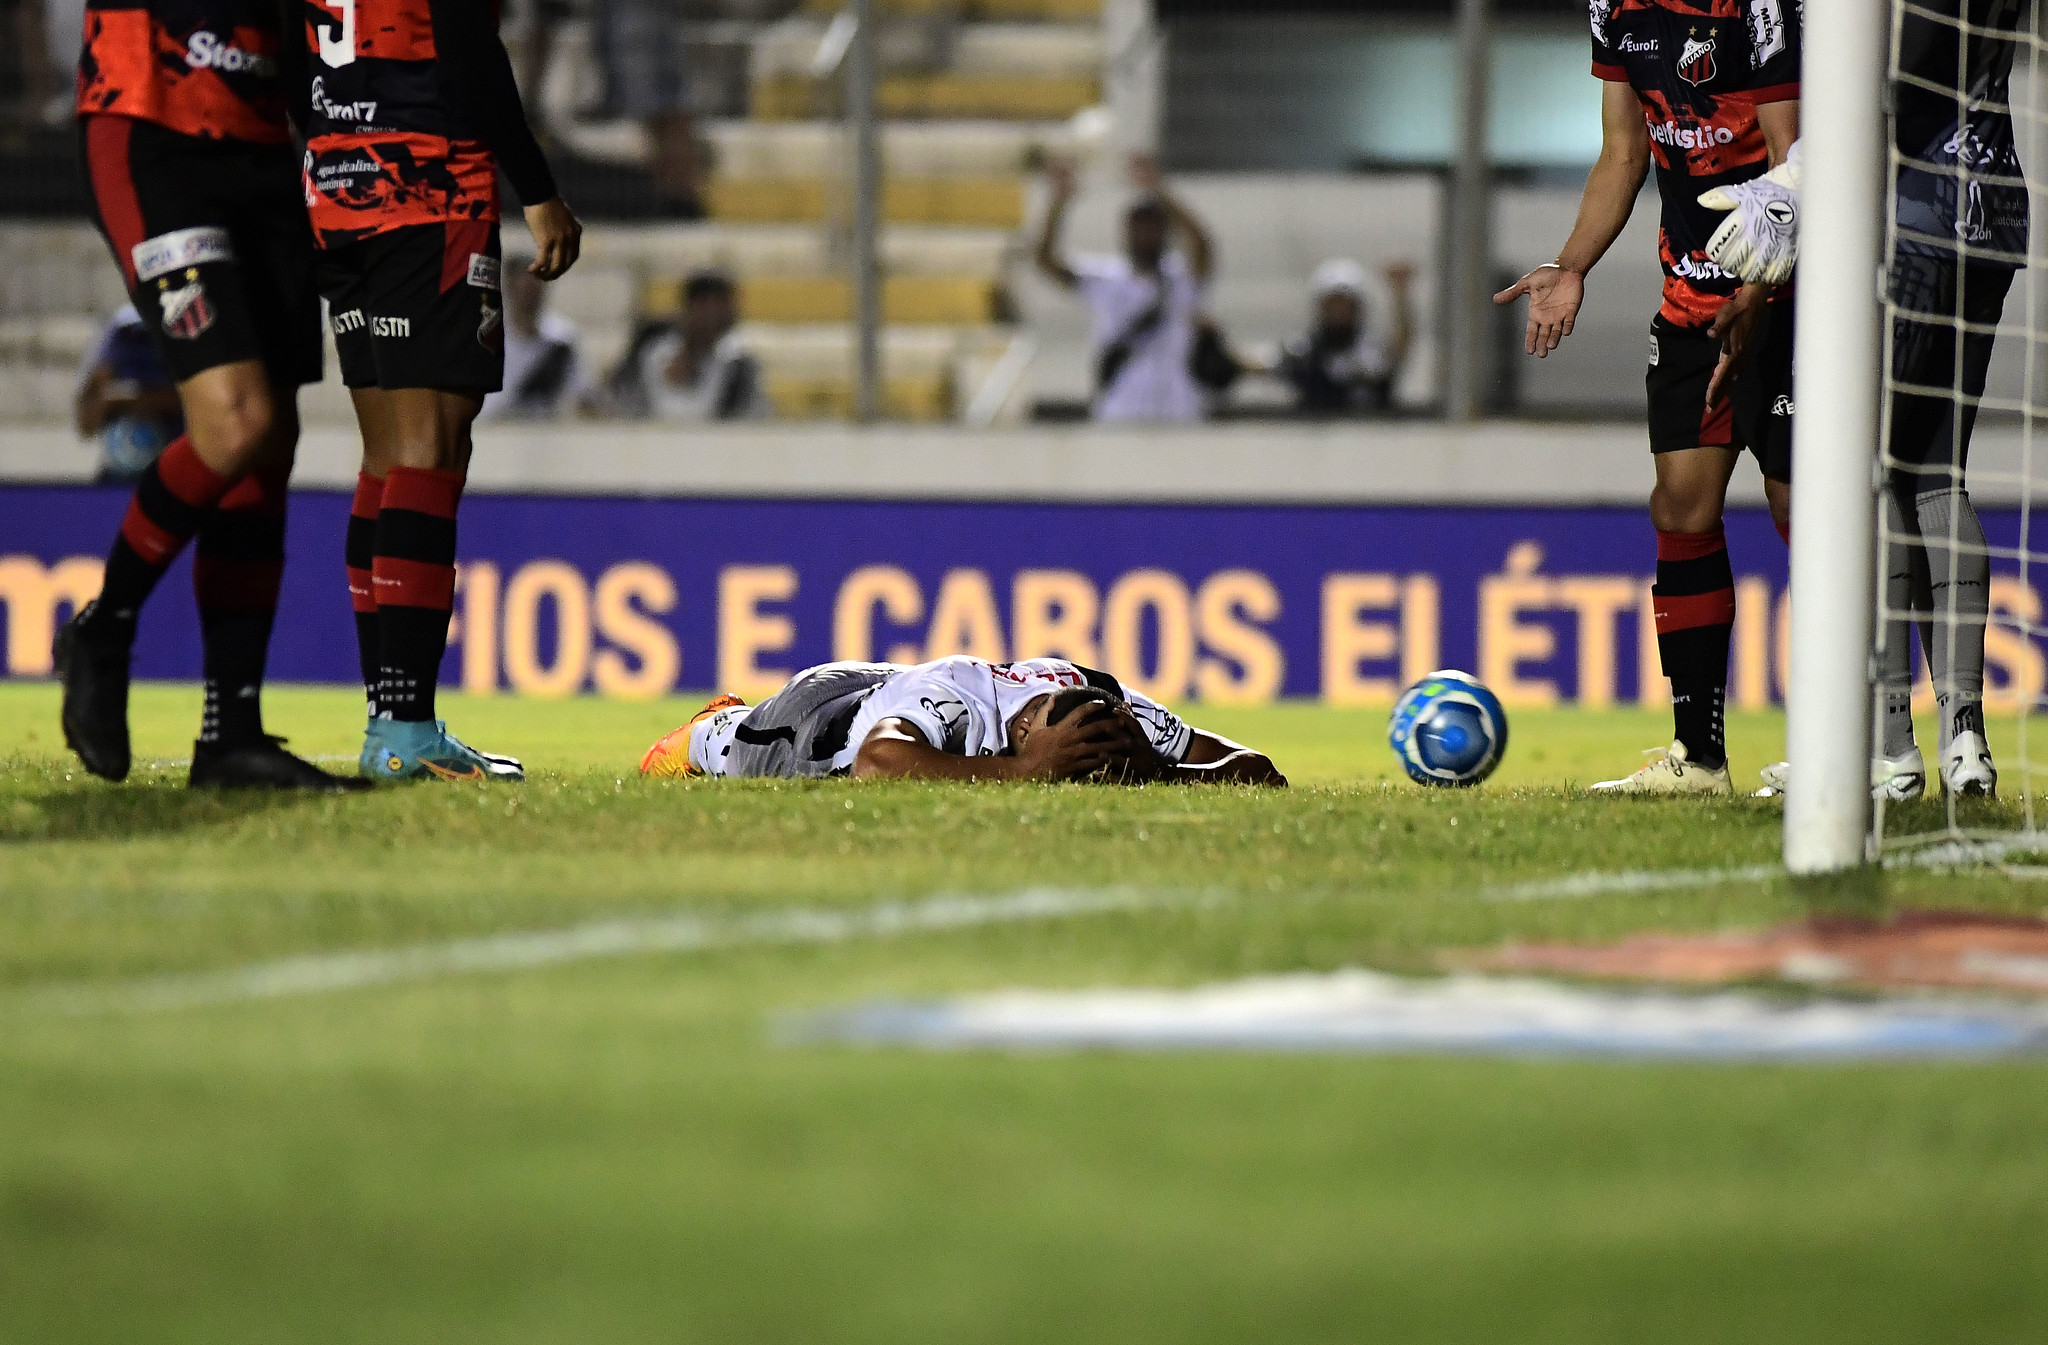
x=323, y=973
x=1637, y=880
x=1363, y=1012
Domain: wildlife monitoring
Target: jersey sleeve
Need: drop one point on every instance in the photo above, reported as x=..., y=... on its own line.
x=1169, y=733
x=479, y=75
x=1606, y=64
x=930, y=704
x=1773, y=49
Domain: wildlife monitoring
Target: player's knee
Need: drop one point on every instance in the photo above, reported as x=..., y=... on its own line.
x=233, y=424
x=1676, y=508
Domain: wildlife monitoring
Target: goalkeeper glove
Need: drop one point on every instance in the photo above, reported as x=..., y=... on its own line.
x=1760, y=241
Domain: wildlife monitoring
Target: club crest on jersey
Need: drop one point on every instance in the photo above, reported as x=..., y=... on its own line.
x=1696, y=57
x=187, y=312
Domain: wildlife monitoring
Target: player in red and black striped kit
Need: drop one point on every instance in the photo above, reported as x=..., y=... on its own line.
x=410, y=110
x=1708, y=90
x=194, y=183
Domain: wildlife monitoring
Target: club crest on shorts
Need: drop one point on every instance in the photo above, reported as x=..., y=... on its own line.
x=1696, y=57
x=187, y=312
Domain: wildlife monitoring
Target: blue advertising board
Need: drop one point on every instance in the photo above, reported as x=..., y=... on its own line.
x=638, y=597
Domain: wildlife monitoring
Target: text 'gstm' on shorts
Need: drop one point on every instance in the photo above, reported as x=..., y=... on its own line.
x=418, y=307
x=212, y=239
x=1757, y=413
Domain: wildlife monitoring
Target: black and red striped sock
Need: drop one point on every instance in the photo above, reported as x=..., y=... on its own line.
x=360, y=550
x=412, y=574
x=170, y=502
x=1694, y=599
x=237, y=566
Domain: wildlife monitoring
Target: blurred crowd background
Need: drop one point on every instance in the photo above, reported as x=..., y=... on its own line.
x=1130, y=210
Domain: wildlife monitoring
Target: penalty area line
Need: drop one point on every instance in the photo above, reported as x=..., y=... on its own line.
x=330, y=972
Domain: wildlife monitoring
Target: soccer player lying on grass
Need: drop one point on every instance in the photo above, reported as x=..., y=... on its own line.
x=957, y=718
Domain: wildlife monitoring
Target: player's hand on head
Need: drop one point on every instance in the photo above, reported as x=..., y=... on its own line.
x=557, y=237
x=1086, y=743
x=1554, y=297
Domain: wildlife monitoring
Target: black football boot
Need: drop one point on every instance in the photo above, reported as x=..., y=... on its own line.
x=263, y=764
x=94, y=671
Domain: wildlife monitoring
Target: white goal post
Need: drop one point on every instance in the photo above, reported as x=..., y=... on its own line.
x=1838, y=354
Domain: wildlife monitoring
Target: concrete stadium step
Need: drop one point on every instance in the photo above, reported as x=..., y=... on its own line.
x=751, y=250
x=1050, y=50
x=1001, y=97
x=991, y=202
x=1044, y=11
x=949, y=301
x=819, y=149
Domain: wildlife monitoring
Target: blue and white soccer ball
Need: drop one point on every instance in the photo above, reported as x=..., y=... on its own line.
x=1448, y=730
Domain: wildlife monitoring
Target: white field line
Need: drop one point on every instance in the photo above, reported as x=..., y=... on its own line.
x=1633, y=880
x=327, y=972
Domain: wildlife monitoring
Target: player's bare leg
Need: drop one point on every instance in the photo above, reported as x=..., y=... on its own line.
x=223, y=481
x=1695, y=612
x=417, y=441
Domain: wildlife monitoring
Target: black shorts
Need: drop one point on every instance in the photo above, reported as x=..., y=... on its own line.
x=418, y=307
x=1934, y=395
x=213, y=240
x=1757, y=413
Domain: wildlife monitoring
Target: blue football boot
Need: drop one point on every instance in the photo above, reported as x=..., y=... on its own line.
x=397, y=749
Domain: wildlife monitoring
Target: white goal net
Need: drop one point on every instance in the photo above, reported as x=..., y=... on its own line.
x=1959, y=667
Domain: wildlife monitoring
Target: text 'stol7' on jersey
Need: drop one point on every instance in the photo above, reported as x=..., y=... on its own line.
x=386, y=146
x=1700, y=69
x=203, y=68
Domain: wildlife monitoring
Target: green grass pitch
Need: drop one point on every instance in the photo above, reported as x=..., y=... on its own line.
x=621, y=1151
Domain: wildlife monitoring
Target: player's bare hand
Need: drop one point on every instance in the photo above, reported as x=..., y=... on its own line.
x=1138, y=761
x=1554, y=298
x=557, y=237
x=1060, y=176
x=1086, y=743
x=1735, y=328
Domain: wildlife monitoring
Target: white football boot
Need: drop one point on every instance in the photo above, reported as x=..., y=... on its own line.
x=1671, y=772
x=1899, y=779
x=1966, y=769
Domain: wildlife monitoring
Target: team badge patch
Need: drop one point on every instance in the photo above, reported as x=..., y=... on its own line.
x=187, y=312
x=1696, y=58
x=483, y=271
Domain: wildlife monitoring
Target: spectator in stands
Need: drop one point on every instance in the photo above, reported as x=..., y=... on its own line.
x=639, y=45
x=544, y=369
x=692, y=368
x=1349, y=361
x=127, y=399
x=1146, y=304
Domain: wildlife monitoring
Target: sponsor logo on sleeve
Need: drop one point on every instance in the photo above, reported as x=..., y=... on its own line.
x=483, y=271
x=393, y=327
x=350, y=321
x=186, y=311
x=165, y=253
x=1656, y=352
x=1766, y=32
